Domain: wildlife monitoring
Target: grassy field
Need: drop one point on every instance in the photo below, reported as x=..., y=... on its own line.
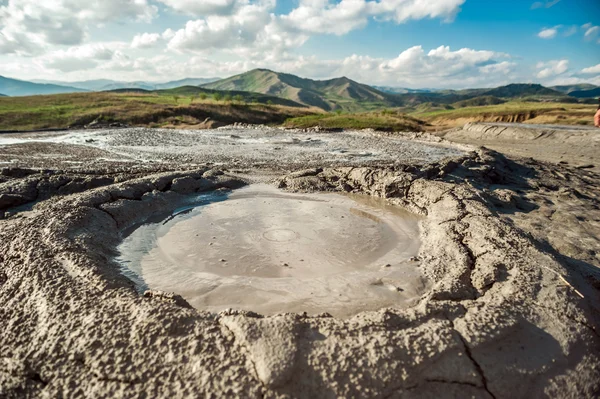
x=521, y=112
x=192, y=107
x=386, y=120
x=139, y=109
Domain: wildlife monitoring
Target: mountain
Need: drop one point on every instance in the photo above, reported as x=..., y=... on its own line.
x=185, y=82
x=14, y=87
x=519, y=90
x=586, y=93
x=127, y=85
x=235, y=97
x=108, y=85
x=568, y=89
x=401, y=90
x=91, y=85
x=334, y=94
x=3, y=95
x=247, y=97
x=487, y=96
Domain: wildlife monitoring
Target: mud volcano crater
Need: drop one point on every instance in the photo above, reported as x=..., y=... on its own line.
x=262, y=249
x=494, y=318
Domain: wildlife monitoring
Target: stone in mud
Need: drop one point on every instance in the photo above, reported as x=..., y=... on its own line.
x=186, y=185
x=168, y=297
x=11, y=200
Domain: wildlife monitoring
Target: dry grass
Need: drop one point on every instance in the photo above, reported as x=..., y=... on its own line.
x=520, y=112
x=72, y=110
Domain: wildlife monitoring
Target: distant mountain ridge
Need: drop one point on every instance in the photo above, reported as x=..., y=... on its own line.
x=517, y=90
x=332, y=94
x=108, y=85
x=568, y=89
x=586, y=93
x=338, y=94
x=15, y=87
x=402, y=90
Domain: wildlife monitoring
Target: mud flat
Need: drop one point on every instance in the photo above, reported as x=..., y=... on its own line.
x=509, y=310
x=258, y=147
x=573, y=145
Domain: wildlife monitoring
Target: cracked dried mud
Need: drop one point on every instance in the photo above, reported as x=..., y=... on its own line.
x=509, y=256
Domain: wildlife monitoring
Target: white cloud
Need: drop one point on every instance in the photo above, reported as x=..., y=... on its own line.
x=204, y=7
x=29, y=26
x=414, y=67
x=571, y=31
x=145, y=40
x=544, y=4
x=252, y=31
x=324, y=16
x=81, y=57
x=592, y=70
x=591, y=32
x=552, y=68
x=548, y=33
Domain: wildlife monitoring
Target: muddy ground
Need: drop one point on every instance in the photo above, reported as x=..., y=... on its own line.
x=510, y=248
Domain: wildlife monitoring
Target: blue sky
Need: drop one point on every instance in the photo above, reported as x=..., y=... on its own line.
x=408, y=43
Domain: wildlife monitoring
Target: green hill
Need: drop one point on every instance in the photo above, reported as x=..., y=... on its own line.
x=520, y=90
x=479, y=101
x=482, y=97
x=14, y=87
x=335, y=94
x=568, y=89
x=196, y=92
x=593, y=93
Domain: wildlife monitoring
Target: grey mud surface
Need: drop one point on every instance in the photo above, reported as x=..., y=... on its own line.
x=274, y=252
x=509, y=249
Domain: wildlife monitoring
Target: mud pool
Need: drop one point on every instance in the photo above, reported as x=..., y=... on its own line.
x=272, y=252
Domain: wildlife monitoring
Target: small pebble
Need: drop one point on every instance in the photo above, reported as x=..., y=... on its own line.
x=222, y=260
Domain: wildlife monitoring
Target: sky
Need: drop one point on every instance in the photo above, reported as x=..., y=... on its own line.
x=399, y=43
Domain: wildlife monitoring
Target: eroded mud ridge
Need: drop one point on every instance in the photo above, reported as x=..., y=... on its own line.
x=508, y=314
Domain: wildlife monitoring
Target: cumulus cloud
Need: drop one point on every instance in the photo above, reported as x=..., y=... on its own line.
x=325, y=16
x=591, y=70
x=145, y=40
x=28, y=26
x=252, y=30
x=548, y=33
x=552, y=68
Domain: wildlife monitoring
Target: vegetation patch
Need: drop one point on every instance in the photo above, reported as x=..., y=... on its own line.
x=386, y=120
x=138, y=109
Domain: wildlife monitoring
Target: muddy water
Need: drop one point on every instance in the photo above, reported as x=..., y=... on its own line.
x=265, y=250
